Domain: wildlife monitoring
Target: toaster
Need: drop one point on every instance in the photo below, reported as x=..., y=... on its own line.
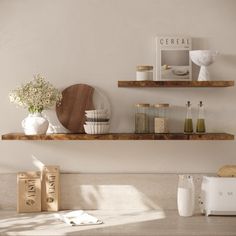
x=218, y=196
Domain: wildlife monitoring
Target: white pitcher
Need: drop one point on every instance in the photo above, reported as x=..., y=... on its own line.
x=185, y=198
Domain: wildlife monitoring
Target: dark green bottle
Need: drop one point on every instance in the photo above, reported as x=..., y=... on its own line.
x=188, y=124
x=201, y=128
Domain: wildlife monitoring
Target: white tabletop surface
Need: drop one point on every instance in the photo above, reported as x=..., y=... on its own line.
x=124, y=223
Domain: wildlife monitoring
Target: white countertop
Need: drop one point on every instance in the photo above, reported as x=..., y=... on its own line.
x=118, y=223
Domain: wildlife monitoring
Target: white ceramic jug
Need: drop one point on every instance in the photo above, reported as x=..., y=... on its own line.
x=185, y=198
x=35, y=124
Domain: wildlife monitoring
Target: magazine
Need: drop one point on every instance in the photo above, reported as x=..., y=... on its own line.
x=172, y=58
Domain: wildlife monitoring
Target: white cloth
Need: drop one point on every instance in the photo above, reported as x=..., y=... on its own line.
x=79, y=217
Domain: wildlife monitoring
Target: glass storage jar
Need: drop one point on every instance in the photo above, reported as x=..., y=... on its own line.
x=142, y=118
x=152, y=114
x=161, y=116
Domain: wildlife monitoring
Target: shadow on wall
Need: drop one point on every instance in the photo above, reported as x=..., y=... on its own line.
x=228, y=60
x=112, y=191
x=118, y=192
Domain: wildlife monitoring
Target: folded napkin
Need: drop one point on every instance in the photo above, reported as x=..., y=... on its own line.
x=80, y=217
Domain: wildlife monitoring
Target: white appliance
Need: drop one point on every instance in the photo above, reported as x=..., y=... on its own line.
x=218, y=196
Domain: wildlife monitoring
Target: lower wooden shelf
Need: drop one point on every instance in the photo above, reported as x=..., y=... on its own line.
x=120, y=136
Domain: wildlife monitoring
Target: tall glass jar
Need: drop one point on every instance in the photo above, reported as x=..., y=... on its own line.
x=142, y=118
x=161, y=116
x=185, y=195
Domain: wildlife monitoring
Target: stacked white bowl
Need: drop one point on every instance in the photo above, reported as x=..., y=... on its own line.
x=97, y=121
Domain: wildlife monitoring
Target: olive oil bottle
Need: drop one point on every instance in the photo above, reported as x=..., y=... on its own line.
x=188, y=124
x=201, y=128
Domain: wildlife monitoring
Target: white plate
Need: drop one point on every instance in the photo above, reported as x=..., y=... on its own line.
x=97, y=116
x=180, y=72
x=96, y=123
x=98, y=111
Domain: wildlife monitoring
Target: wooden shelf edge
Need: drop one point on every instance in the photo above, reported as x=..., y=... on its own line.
x=120, y=136
x=175, y=84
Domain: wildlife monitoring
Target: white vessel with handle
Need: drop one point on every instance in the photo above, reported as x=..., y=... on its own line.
x=185, y=195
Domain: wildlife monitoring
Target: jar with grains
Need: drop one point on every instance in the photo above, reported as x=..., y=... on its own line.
x=142, y=118
x=161, y=118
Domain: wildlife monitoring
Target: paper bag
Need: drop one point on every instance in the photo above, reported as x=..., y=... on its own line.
x=50, y=188
x=28, y=192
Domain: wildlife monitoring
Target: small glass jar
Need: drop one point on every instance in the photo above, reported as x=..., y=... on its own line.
x=161, y=117
x=142, y=118
x=144, y=73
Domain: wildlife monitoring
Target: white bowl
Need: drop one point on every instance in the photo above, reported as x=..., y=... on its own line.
x=96, y=129
x=97, y=120
x=97, y=123
x=97, y=115
x=98, y=111
x=203, y=57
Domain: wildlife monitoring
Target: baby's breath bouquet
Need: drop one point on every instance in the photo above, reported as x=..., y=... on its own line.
x=36, y=96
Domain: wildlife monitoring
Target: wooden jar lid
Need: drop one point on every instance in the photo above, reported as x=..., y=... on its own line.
x=142, y=105
x=161, y=105
x=144, y=68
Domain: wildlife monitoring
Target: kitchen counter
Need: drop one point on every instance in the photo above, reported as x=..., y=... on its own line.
x=124, y=223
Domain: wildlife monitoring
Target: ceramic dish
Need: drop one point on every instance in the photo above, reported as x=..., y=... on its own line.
x=96, y=123
x=97, y=116
x=97, y=120
x=98, y=111
x=180, y=72
x=96, y=129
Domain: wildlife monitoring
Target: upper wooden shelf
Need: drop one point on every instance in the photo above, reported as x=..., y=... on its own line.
x=120, y=136
x=175, y=84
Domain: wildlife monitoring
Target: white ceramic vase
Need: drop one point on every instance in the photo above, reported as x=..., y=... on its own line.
x=34, y=124
x=203, y=58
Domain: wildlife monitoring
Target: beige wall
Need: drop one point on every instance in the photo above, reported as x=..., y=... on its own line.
x=100, y=42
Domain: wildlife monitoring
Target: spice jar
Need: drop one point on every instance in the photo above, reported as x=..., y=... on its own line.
x=161, y=118
x=144, y=72
x=142, y=118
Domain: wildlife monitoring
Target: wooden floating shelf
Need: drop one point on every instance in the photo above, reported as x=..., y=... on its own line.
x=175, y=84
x=120, y=136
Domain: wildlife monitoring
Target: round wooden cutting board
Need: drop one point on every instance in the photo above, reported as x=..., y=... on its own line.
x=75, y=100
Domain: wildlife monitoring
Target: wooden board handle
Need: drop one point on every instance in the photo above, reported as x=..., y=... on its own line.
x=227, y=171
